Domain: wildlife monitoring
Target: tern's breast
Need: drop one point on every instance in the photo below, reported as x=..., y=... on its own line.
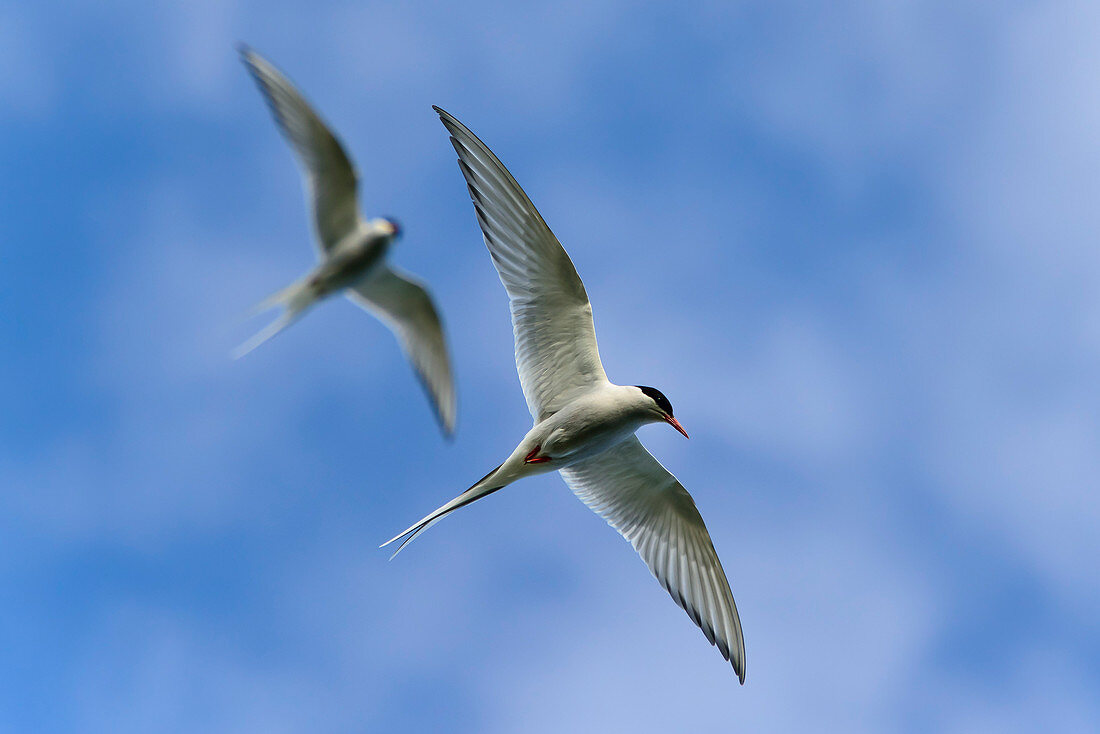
x=587, y=427
x=353, y=260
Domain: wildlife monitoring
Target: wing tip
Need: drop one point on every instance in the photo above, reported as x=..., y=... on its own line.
x=446, y=427
x=249, y=56
x=451, y=122
x=736, y=658
x=252, y=60
x=447, y=411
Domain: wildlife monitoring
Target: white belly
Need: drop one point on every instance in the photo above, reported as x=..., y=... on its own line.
x=585, y=429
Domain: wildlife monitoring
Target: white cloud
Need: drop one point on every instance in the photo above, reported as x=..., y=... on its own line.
x=836, y=629
x=28, y=84
x=1038, y=689
x=198, y=42
x=150, y=669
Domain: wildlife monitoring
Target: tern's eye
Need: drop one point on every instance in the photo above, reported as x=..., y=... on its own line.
x=658, y=398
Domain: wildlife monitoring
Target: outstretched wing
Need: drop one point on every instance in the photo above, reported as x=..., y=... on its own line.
x=638, y=497
x=405, y=306
x=330, y=179
x=556, y=352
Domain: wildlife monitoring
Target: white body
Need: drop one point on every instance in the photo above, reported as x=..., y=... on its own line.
x=583, y=424
x=588, y=425
x=352, y=249
x=354, y=260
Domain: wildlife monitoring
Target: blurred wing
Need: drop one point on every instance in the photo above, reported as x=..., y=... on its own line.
x=405, y=306
x=638, y=497
x=330, y=177
x=556, y=352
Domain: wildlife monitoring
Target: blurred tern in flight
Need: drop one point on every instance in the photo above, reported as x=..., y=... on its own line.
x=352, y=249
x=583, y=424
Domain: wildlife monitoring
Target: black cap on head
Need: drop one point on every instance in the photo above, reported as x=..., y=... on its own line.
x=658, y=397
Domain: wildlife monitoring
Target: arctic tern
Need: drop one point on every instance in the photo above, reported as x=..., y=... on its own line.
x=352, y=249
x=583, y=424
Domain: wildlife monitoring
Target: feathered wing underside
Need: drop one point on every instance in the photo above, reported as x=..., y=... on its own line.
x=404, y=305
x=556, y=351
x=330, y=178
x=641, y=499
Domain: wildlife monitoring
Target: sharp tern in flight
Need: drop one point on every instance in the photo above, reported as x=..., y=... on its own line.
x=352, y=249
x=583, y=424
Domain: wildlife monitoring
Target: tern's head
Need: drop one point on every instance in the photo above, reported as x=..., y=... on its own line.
x=657, y=404
x=390, y=225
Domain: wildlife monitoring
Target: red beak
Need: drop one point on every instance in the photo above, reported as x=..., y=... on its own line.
x=676, y=424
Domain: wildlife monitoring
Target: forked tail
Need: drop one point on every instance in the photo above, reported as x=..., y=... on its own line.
x=294, y=299
x=484, y=487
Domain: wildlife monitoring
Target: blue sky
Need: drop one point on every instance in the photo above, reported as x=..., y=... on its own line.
x=855, y=245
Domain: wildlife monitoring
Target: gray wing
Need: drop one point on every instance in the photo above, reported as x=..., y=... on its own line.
x=404, y=305
x=330, y=179
x=638, y=497
x=556, y=352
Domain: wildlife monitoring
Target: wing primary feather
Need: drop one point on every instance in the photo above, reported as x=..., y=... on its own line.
x=406, y=307
x=555, y=345
x=330, y=179
x=639, y=498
